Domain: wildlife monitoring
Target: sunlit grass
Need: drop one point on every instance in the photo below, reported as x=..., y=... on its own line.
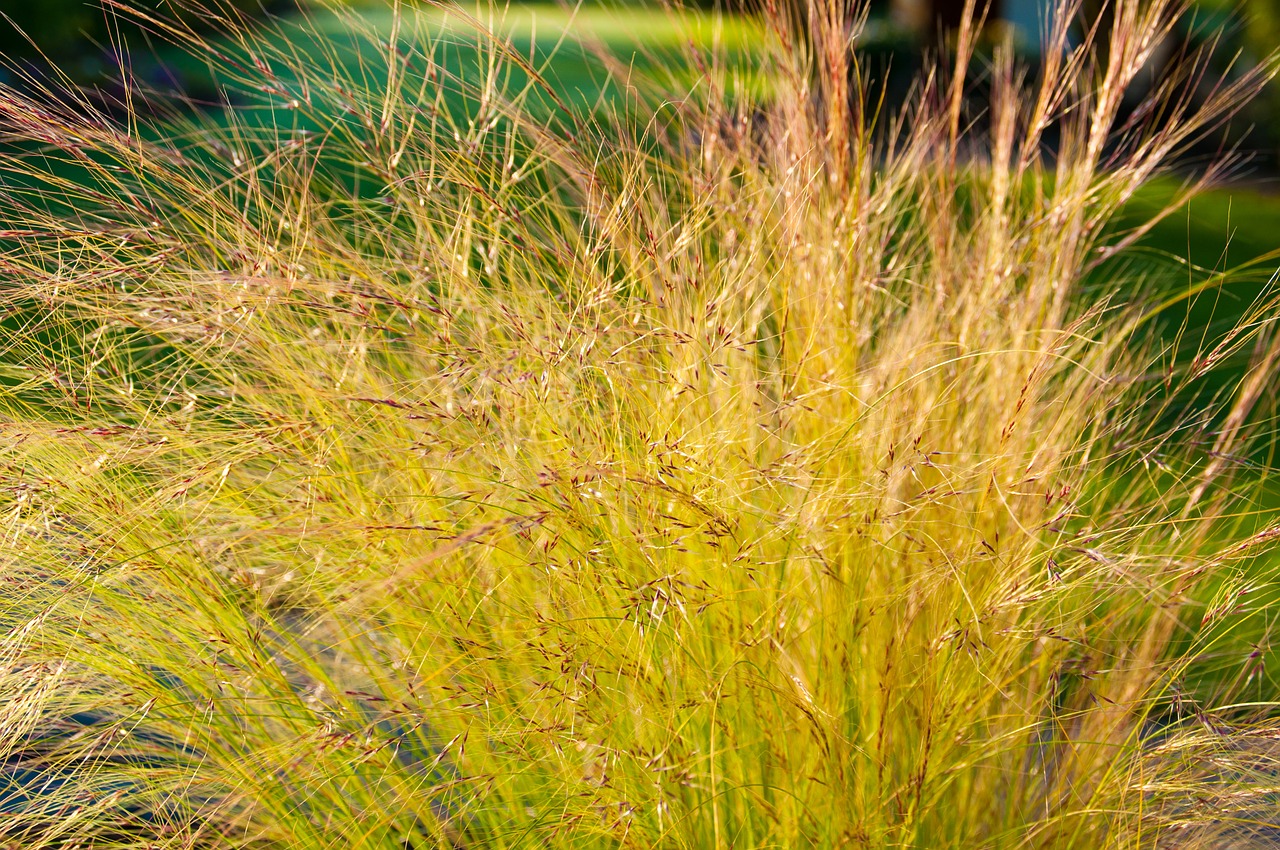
x=411, y=454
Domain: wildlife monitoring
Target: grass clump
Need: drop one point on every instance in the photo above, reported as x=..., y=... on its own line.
x=404, y=456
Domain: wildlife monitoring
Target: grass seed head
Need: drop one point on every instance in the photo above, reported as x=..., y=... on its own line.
x=412, y=453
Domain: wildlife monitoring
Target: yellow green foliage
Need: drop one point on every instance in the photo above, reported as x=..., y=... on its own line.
x=412, y=457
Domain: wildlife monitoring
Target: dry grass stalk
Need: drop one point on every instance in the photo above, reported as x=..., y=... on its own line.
x=744, y=475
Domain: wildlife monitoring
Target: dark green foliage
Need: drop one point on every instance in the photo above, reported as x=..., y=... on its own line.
x=74, y=35
x=54, y=27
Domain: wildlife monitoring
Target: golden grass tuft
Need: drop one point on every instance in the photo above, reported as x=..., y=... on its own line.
x=408, y=457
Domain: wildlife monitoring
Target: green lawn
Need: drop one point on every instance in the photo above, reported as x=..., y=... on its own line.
x=1210, y=261
x=559, y=43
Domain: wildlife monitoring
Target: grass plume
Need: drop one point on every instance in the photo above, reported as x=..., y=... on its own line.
x=413, y=453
